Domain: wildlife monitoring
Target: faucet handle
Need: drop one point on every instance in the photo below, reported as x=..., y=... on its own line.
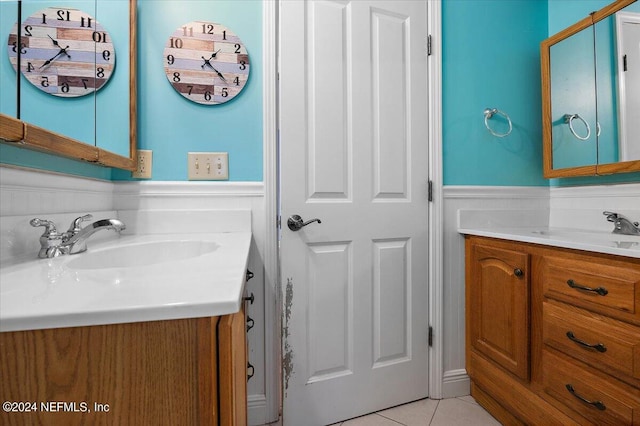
x=75, y=225
x=611, y=216
x=49, y=226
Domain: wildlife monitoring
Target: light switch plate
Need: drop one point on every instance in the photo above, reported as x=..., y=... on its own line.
x=145, y=161
x=208, y=165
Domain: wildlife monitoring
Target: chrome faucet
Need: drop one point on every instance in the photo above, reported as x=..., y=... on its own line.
x=622, y=225
x=53, y=243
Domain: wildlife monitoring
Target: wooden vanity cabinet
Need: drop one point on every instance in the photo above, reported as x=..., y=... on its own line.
x=582, y=343
x=176, y=372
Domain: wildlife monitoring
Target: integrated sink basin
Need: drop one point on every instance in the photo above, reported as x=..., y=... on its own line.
x=131, y=278
x=141, y=254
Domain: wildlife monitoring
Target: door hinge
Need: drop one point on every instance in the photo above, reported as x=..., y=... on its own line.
x=624, y=63
x=429, y=45
x=430, y=336
x=430, y=191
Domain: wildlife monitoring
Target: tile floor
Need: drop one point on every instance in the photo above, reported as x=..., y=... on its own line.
x=460, y=411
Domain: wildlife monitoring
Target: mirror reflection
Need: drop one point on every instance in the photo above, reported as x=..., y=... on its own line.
x=74, y=76
x=573, y=84
x=593, y=94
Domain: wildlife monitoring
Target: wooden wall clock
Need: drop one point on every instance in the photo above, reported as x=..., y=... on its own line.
x=206, y=62
x=64, y=52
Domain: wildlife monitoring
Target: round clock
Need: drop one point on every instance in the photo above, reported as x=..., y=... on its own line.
x=63, y=52
x=206, y=62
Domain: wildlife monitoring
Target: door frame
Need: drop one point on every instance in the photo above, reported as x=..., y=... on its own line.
x=273, y=285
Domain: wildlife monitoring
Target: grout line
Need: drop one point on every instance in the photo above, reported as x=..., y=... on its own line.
x=468, y=402
x=434, y=411
x=389, y=418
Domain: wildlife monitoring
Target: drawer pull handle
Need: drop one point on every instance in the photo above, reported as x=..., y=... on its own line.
x=600, y=347
x=518, y=272
x=600, y=290
x=598, y=404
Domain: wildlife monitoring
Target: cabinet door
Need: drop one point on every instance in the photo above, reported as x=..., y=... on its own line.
x=498, y=306
x=232, y=367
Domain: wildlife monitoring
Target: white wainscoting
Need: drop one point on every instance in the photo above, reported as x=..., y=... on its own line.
x=25, y=194
x=455, y=379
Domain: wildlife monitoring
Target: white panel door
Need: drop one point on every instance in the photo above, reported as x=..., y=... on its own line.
x=353, y=153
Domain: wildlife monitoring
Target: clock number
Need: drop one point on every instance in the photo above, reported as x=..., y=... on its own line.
x=207, y=95
x=170, y=59
x=100, y=72
x=65, y=87
x=44, y=18
x=190, y=87
x=224, y=35
x=64, y=15
x=225, y=93
x=184, y=31
x=45, y=81
x=237, y=48
x=237, y=81
x=106, y=55
x=176, y=77
x=82, y=21
x=84, y=82
x=99, y=37
x=243, y=65
x=176, y=43
x=27, y=30
x=207, y=29
x=30, y=67
x=23, y=49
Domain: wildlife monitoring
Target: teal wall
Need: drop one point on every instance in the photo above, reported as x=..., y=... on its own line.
x=490, y=59
x=169, y=124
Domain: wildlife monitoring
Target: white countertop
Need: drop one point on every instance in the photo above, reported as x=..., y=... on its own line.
x=49, y=293
x=594, y=241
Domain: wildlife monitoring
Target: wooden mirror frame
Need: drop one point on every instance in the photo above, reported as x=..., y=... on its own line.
x=545, y=63
x=19, y=133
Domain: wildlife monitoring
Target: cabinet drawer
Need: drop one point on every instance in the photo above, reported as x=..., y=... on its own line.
x=602, y=400
x=605, y=286
x=601, y=342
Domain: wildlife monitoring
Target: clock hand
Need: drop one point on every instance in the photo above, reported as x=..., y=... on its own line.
x=55, y=43
x=213, y=55
x=206, y=62
x=48, y=61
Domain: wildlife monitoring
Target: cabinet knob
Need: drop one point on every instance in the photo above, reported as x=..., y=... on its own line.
x=518, y=272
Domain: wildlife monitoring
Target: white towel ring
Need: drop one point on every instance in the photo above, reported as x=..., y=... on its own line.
x=490, y=112
x=568, y=118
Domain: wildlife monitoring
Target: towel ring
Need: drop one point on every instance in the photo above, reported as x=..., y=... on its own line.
x=568, y=118
x=490, y=112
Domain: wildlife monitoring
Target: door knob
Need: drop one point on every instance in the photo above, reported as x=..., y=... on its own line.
x=295, y=222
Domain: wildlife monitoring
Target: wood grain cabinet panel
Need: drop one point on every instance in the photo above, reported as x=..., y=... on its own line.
x=146, y=373
x=599, y=399
x=559, y=341
x=499, y=307
x=605, y=344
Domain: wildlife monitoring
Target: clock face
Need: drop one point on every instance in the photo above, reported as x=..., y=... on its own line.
x=63, y=52
x=206, y=62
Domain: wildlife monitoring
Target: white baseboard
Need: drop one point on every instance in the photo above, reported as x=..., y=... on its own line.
x=455, y=383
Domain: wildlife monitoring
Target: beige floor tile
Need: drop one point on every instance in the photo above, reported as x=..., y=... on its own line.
x=370, y=420
x=455, y=412
x=417, y=413
x=468, y=398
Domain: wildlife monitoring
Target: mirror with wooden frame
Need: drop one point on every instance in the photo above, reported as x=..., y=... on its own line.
x=70, y=95
x=589, y=75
